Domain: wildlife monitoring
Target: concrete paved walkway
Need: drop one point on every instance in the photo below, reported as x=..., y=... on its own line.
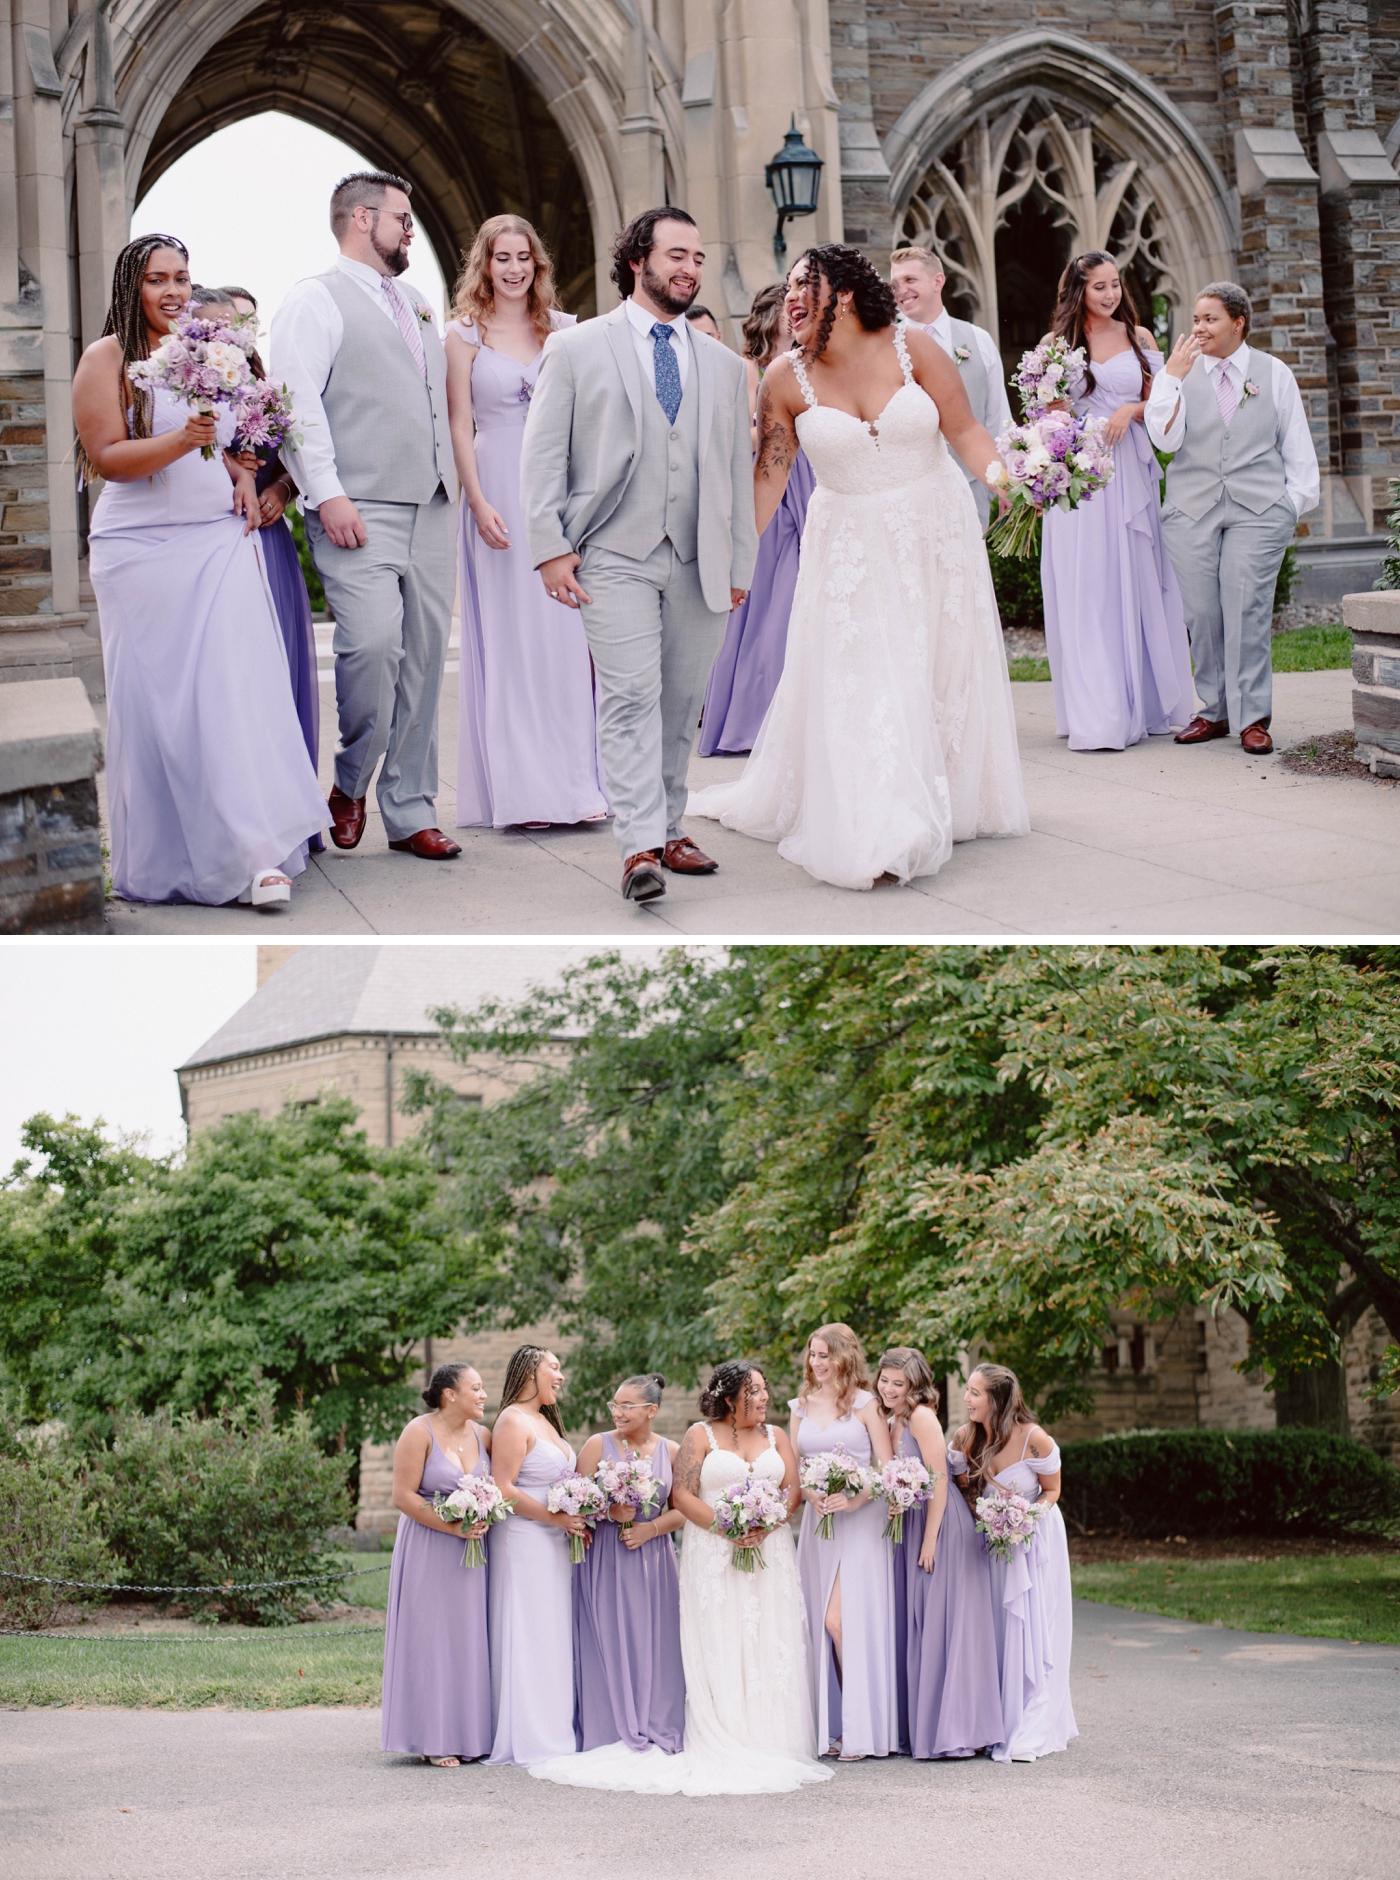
x=1158, y=840
x=1201, y=1753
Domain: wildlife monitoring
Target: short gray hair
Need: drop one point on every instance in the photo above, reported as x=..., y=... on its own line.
x=362, y=189
x=1233, y=299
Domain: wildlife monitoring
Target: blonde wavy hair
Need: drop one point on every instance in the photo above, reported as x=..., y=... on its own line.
x=849, y=1369
x=474, y=298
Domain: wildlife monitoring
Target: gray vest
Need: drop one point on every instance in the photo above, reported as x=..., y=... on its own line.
x=973, y=370
x=663, y=495
x=389, y=429
x=1243, y=460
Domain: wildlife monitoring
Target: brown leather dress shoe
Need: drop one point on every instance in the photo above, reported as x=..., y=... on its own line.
x=683, y=858
x=1202, y=730
x=347, y=819
x=429, y=844
x=1256, y=740
x=641, y=877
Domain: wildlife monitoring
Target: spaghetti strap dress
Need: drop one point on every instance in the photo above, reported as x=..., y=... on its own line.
x=530, y=1606
x=437, y=1673
x=629, y=1686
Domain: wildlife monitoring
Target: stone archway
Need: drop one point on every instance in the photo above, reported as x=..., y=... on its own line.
x=1048, y=130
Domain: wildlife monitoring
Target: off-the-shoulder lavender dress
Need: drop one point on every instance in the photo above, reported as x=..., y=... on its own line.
x=437, y=1672
x=1120, y=662
x=946, y=1633
x=1034, y=1622
x=629, y=1685
x=856, y=1706
x=530, y=1601
x=527, y=737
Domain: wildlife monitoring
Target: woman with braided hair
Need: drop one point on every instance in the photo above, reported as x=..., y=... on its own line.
x=211, y=794
x=891, y=734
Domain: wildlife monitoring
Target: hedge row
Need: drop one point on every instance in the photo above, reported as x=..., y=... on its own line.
x=1210, y=1482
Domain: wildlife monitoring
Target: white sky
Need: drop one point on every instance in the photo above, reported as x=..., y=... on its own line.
x=250, y=204
x=98, y=1028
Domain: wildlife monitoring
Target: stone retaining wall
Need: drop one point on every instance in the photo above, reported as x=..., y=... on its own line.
x=50, y=843
x=1374, y=620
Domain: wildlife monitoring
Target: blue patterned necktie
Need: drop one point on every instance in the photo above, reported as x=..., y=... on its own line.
x=668, y=373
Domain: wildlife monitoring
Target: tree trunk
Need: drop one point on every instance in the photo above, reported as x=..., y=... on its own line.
x=1315, y=1399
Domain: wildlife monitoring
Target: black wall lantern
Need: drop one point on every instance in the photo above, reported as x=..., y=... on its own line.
x=794, y=178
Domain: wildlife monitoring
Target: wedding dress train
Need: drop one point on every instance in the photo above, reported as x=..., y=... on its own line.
x=892, y=734
x=749, y=1727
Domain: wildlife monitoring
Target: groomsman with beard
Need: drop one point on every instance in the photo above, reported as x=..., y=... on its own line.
x=368, y=377
x=916, y=280
x=636, y=478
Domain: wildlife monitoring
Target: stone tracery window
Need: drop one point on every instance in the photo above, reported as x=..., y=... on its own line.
x=1029, y=182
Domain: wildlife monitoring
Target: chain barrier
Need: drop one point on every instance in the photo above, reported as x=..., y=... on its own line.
x=223, y=1586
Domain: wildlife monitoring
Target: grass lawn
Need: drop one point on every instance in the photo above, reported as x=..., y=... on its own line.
x=1353, y=1596
x=1312, y=649
x=1030, y=668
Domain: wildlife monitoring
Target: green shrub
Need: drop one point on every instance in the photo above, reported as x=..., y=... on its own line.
x=1017, y=584
x=205, y=1501
x=297, y=525
x=1210, y=1482
x=48, y=1525
x=1289, y=575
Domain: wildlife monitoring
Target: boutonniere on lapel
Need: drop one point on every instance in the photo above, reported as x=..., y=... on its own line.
x=961, y=354
x=425, y=316
x=1251, y=390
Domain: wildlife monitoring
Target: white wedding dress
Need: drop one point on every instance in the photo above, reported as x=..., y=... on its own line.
x=749, y=1728
x=891, y=734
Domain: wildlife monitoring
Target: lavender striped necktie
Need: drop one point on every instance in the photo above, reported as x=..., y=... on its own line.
x=408, y=324
x=1225, y=392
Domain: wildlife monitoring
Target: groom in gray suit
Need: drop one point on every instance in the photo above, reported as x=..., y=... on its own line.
x=636, y=479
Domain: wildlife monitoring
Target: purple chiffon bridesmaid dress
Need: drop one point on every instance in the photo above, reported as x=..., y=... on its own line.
x=856, y=1706
x=437, y=1676
x=629, y=1686
x=527, y=737
x=293, y=608
x=949, y=1647
x=1034, y=1623
x=1120, y=661
x=531, y=1623
x=746, y=672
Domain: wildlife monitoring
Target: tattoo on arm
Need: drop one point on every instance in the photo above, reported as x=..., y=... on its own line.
x=686, y=1474
x=777, y=443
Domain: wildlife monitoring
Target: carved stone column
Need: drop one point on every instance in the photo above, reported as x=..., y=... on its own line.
x=865, y=176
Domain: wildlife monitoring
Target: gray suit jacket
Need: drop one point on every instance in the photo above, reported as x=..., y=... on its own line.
x=584, y=433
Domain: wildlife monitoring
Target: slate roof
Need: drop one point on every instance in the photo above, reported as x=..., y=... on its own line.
x=326, y=992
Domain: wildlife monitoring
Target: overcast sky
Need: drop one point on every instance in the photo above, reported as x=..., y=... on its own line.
x=250, y=204
x=98, y=1028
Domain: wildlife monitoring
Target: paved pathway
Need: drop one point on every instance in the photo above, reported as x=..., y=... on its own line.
x=1203, y=1753
x=1159, y=840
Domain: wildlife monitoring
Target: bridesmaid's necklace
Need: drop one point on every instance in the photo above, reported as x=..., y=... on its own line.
x=454, y=1448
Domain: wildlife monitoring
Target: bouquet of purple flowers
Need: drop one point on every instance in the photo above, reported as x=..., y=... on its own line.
x=476, y=1498
x=1009, y=1522
x=901, y=1484
x=628, y=1479
x=833, y=1472
x=204, y=362
x=751, y=1507
x=1049, y=372
x=577, y=1494
x=1055, y=457
x=265, y=418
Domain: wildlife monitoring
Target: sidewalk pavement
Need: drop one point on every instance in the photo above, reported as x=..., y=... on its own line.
x=1202, y=1752
x=1159, y=840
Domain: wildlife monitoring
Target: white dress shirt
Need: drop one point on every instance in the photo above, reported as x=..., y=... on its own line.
x=999, y=413
x=1167, y=428
x=641, y=323
x=307, y=330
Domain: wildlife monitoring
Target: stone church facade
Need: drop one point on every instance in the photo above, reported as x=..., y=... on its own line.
x=1193, y=138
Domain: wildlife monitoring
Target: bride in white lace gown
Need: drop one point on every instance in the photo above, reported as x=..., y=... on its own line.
x=749, y=1726
x=891, y=734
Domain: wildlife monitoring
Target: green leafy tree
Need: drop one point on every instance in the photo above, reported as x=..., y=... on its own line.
x=286, y=1253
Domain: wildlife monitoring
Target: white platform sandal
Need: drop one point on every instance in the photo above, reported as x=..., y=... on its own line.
x=268, y=889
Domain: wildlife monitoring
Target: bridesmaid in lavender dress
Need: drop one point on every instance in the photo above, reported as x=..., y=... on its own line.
x=950, y=1693
x=750, y=663
x=847, y=1581
x=529, y=1585
x=527, y=750
x=437, y=1675
x=1002, y=1449
x=1120, y=660
x=629, y=1686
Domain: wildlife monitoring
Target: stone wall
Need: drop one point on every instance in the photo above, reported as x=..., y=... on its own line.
x=50, y=844
x=26, y=572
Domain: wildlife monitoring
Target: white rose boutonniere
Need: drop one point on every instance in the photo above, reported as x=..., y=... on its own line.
x=961, y=354
x=1251, y=390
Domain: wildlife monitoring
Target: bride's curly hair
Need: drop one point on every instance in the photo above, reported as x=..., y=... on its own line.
x=844, y=269
x=728, y=1382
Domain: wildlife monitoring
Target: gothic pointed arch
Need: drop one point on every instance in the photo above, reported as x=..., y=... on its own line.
x=1040, y=146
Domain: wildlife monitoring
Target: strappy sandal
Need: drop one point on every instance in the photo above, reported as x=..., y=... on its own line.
x=444, y=1762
